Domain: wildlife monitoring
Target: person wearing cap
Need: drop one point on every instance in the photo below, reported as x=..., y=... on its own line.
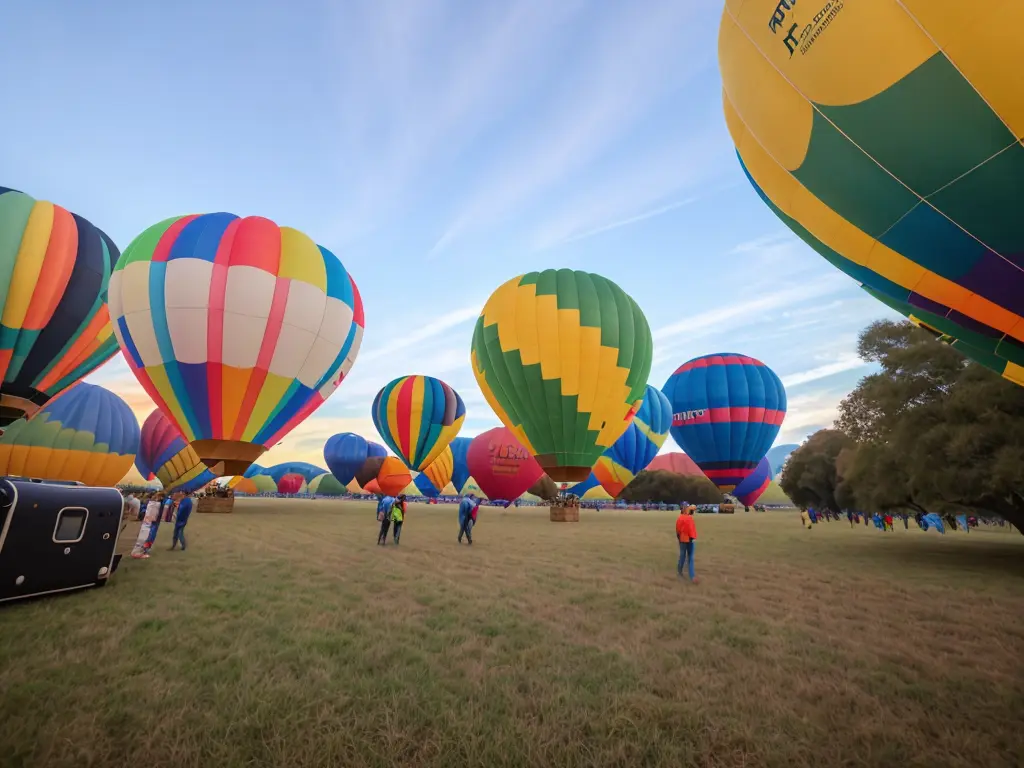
x=686, y=535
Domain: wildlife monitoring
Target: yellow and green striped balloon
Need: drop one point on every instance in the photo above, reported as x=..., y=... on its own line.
x=563, y=359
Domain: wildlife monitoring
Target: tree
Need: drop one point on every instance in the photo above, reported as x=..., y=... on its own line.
x=669, y=488
x=933, y=431
x=810, y=477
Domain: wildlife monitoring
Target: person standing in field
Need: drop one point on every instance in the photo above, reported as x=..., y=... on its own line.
x=147, y=532
x=686, y=534
x=384, y=516
x=398, y=516
x=805, y=519
x=184, y=510
x=467, y=516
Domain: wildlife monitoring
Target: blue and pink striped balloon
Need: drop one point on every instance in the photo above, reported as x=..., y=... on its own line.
x=726, y=413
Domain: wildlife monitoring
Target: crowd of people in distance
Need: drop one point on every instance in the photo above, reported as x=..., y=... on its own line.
x=153, y=509
x=886, y=521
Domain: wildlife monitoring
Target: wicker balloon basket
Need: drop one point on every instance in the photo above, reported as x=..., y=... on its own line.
x=221, y=504
x=567, y=514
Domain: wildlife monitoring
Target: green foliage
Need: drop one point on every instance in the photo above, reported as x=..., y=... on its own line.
x=810, y=477
x=931, y=431
x=667, y=487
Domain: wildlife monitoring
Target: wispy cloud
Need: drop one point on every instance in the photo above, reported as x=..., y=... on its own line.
x=596, y=96
x=735, y=313
x=845, y=362
x=430, y=330
x=428, y=79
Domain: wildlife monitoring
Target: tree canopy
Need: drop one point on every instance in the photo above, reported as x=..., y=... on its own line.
x=667, y=487
x=930, y=431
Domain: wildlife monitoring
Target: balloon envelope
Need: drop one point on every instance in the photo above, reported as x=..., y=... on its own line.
x=675, y=462
x=326, y=485
x=501, y=465
x=569, y=392
x=237, y=328
x=460, y=469
x=727, y=410
x=54, y=323
x=902, y=170
x=393, y=476
x=375, y=454
x=304, y=469
x=344, y=455
x=418, y=416
x=164, y=454
x=437, y=475
x=639, y=444
x=87, y=435
x=756, y=483
x=290, y=483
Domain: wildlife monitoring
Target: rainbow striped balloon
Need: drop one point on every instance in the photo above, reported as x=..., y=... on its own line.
x=87, y=435
x=164, y=454
x=432, y=480
x=418, y=416
x=54, y=324
x=237, y=328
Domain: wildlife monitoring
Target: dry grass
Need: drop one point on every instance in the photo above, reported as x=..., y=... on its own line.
x=285, y=637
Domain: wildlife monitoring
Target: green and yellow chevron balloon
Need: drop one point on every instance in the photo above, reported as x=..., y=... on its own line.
x=563, y=359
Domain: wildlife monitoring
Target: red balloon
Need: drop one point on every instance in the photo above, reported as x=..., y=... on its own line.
x=678, y=463
x=290, y=483
x=501, y=466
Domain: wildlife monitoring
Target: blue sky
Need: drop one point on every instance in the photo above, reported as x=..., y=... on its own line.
x=439, y=148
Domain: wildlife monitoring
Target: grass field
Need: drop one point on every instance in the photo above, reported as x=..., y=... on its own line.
x=285, y=637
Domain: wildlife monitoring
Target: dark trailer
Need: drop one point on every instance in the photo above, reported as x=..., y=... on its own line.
x=56, y=537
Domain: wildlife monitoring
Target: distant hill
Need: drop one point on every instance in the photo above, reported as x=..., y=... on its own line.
x=774, y=495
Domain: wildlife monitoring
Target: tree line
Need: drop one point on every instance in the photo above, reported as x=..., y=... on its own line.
x=930, y=431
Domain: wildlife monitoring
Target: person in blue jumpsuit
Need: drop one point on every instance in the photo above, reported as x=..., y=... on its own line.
x=384, y=505
x=184, y=511
x=467, y=507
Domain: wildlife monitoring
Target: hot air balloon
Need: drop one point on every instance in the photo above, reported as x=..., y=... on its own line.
x=327, y=485
x=437, y=475
x=460, y=469
x=164, y=454
x=86, y=435
x=244, y=485
x=393, y=476
x=291, y=483
x=424, y=487
x=344, y=455
x=544, y=488
x=638, y=446
x=562, y=357
x=777, y=457
x=54, y=323
x=726, y=413
x=675, y=462
x=304, y=469
x=375, y=455
x=501, y=465
x=373, y=487
x=903, y=169
x=237, y=328
x=993, y=352
x=756, y=483
x=418, y=416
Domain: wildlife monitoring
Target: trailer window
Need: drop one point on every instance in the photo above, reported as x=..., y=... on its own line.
x=70, y=525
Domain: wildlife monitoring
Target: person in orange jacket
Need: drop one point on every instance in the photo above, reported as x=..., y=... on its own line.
x=686, y=534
